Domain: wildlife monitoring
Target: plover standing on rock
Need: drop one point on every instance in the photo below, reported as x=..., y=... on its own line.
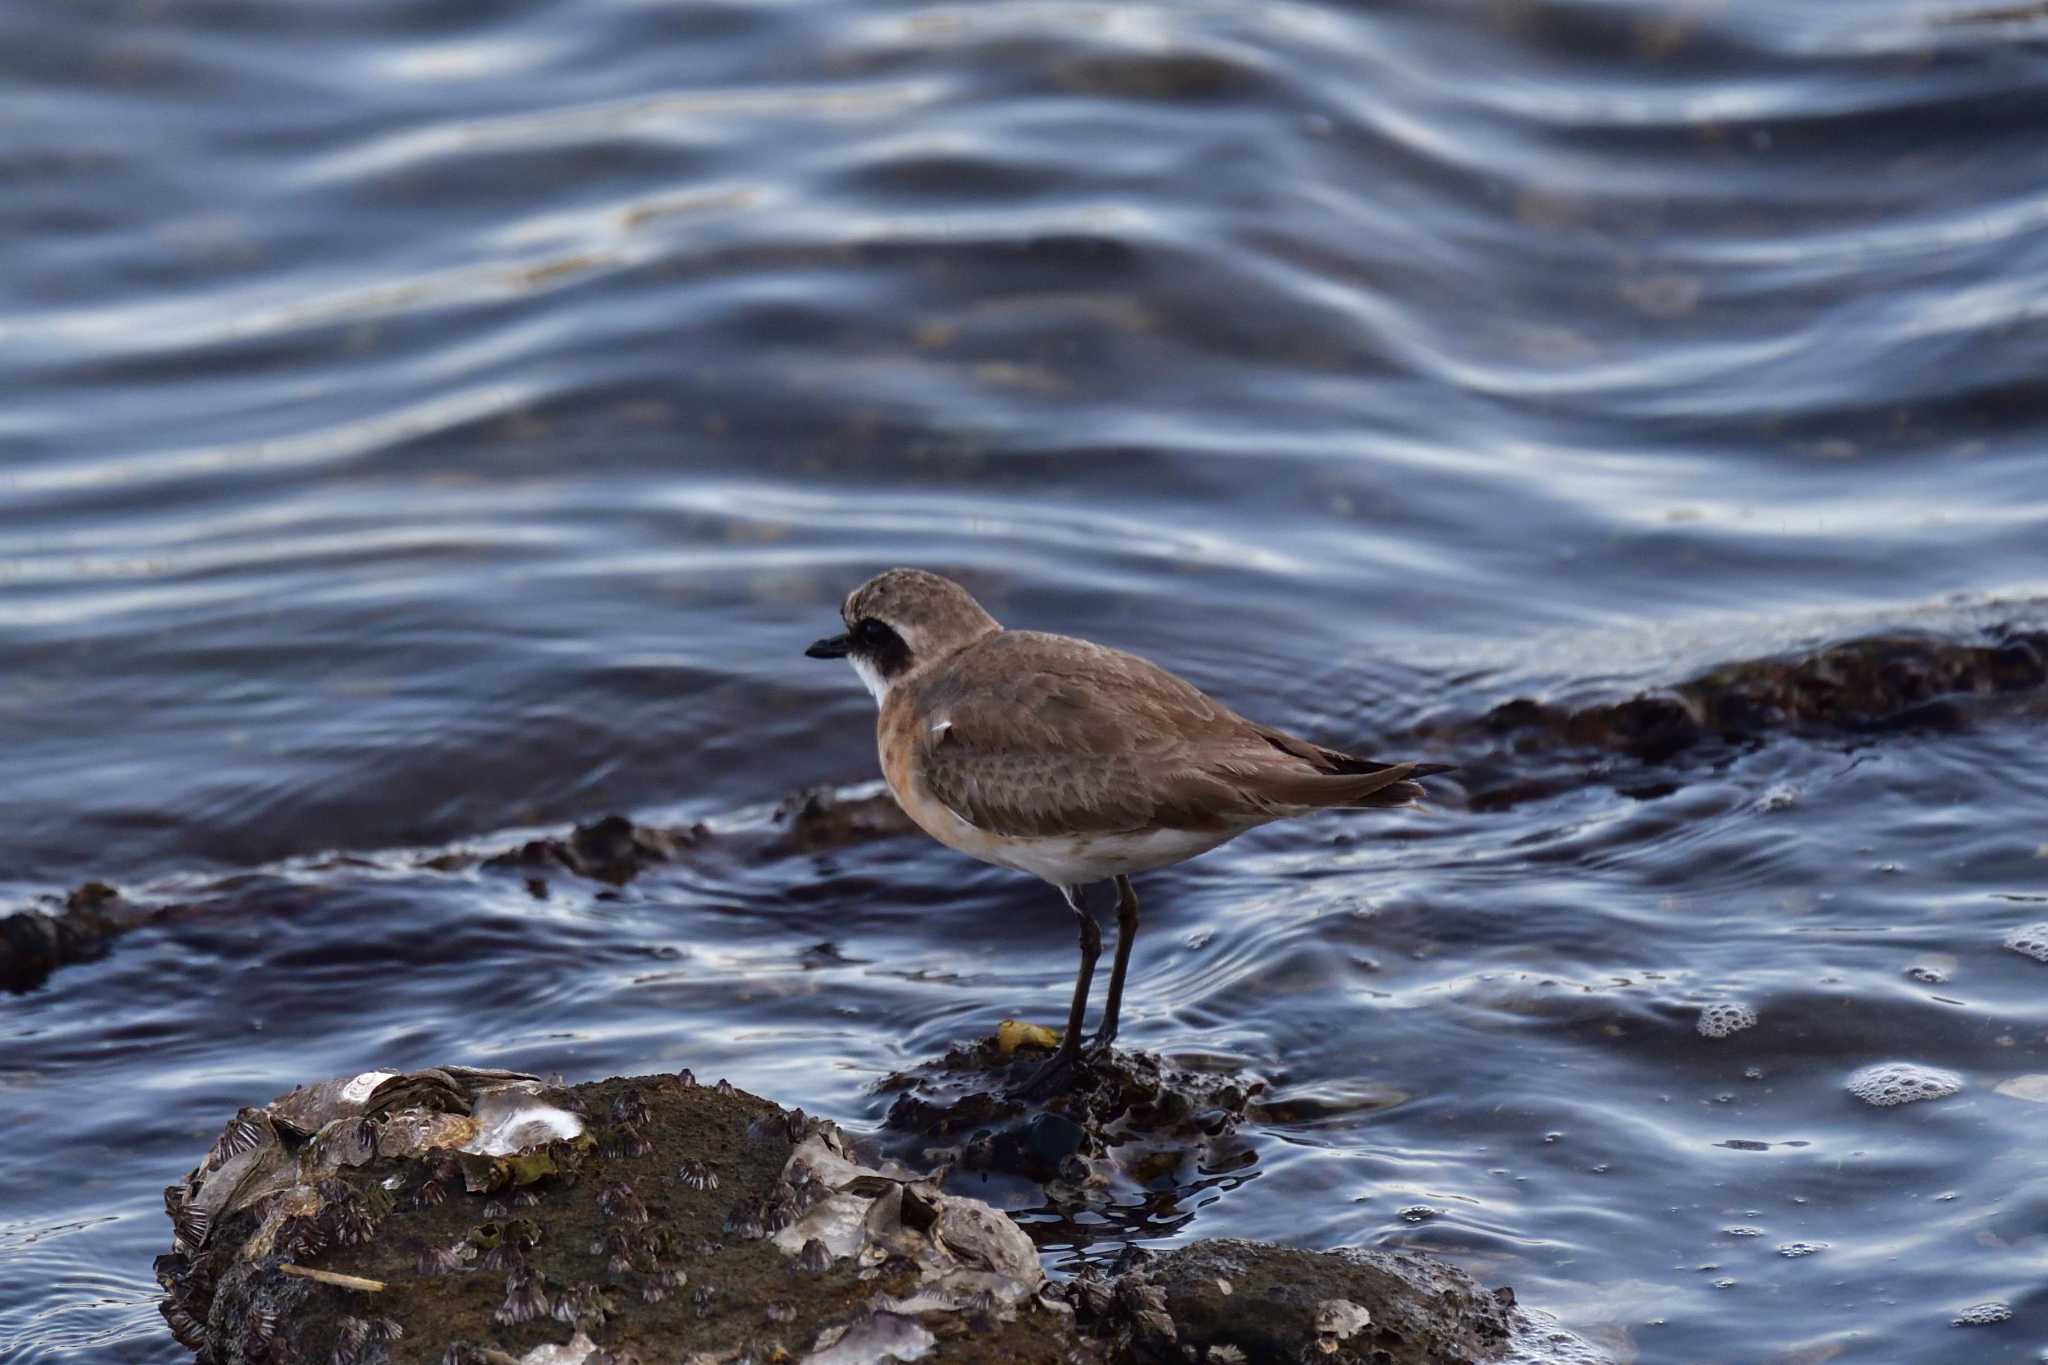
x=1072, y=761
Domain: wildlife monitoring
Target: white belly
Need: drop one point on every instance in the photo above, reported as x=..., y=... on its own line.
x=1076, y=860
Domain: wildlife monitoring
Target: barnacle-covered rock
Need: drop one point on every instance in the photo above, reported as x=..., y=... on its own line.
x=490, y=1217
x=297, y=1242
x=1227, y=1300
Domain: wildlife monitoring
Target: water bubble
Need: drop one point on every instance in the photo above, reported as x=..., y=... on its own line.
x=1419, y=1213
x=1981, y=1315
x=1724, y=1017
x=1894, y=1083
x=1792, y=1251
x=1742, y=1232
x=2030, y=941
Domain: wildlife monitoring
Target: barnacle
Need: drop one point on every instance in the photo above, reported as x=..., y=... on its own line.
x=241, y=1135
x=189, y=1331
x=506, y=1257
x=743, y=1221
x=629, y=1107
x=300, y=1238
x=344, y=1214
x=698, y=1175
x=583, y=1305
x=189, y=1224
x=351, y=1336
x=526, y=1299
x=779, y=1210
x=437, y=1260
x=625, y=1140
x=617, y=1200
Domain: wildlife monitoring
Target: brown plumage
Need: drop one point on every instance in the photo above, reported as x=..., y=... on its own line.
x=1070, y=760
x=1045, y=735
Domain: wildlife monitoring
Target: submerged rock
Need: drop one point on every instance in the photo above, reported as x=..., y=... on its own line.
x=1129, y=1129
x=1872, y=685
x=825, y=818
x=460, y=1215
x=34, y=943
x=613, y=850
x=1255, y=1302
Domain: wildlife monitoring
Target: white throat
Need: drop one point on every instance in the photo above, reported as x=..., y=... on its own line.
x=876, y=683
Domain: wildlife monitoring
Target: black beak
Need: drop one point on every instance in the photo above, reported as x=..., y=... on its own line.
x=836, y=647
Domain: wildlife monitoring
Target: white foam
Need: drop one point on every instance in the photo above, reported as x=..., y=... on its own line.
x=2030, y=941
x=1894, y=1083
x=1981, y=1315
x=1724, y=1017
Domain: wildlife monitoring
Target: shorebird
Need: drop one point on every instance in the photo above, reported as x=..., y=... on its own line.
x=1072, y=761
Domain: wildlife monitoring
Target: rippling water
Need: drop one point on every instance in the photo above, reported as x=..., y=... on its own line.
x=428, y=421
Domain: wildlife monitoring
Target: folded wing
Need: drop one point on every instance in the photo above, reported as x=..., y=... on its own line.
x=1041, y=735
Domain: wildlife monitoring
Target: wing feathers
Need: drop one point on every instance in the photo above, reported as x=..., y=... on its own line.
x=1025, y=734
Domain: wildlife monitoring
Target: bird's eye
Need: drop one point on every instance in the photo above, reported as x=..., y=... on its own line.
x=871, y=631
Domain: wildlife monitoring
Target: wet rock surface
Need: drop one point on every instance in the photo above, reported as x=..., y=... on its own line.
x=612, y=849
x=1130, y=1126
x=1255, y=1302
x=36, y=942
x=456, y=1215
x=1526, y=749
x=822, y=818
x=463, y=1215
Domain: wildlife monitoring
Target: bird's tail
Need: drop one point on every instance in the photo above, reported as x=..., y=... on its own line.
x=1367, y=784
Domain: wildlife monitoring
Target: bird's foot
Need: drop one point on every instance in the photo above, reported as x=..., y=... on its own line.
x=1098, y=1045
x=1053, y=1076
x=1060, y=1072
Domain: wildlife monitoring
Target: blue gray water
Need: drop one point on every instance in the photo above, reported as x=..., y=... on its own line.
x=430, y=422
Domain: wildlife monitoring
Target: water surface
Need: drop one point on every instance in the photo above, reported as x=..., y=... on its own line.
x=428, y=423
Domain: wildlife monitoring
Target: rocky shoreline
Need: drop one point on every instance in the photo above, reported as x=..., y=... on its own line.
x=464, y=1217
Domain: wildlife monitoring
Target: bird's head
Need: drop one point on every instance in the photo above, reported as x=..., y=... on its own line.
x=901, y=621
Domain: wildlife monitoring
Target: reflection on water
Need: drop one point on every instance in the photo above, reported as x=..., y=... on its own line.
x=431, y=423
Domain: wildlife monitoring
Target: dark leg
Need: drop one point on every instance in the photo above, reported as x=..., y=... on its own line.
x=1049, y=1076
x=1126, y=931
